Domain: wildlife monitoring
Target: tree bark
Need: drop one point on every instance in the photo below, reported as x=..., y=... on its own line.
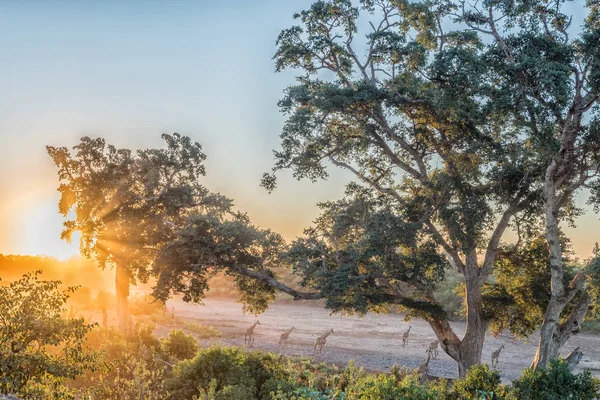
x=466, y=352
x=471, y=346
x=122, y=293
x=553, y=335
x=548, y=345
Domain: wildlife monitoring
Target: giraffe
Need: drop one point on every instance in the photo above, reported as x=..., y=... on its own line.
x=405, y=336
x=249, y=335
x=320, y=342
x=433, y=349
x=285, y=336
x=423, y=369
x=495, y=356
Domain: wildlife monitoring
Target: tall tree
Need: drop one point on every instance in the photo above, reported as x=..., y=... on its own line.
x=417, y=118
x=548, y=78
x=127, y=205
x=465, y=117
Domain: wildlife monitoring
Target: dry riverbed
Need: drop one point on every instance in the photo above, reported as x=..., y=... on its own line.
x=373, y=341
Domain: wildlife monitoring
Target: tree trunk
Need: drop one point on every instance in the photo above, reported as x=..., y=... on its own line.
x=471, y=345
x=122, y=292
x=554, y=335
x=466, y=352
x=548, y=345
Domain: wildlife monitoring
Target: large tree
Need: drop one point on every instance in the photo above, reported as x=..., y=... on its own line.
x=127, y=205
x=548, y=78
x=454, y=131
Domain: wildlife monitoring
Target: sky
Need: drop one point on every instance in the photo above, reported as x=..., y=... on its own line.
x=131, y=70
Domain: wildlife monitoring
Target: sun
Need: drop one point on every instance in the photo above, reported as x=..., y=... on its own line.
x=36, y=226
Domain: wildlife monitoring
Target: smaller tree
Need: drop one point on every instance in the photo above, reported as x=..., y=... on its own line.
x=127, y=204
x=38, y=345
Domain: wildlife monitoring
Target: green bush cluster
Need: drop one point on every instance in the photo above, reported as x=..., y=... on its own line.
x=230, y=373
x=139, y=365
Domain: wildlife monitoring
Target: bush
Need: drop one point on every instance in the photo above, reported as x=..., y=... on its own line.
x=448, y=294
x=554, y=383
x=180, y=346
x=480, y=383
x=133, y=366
x=39, y=347
x=386, y=387
x=223, y=365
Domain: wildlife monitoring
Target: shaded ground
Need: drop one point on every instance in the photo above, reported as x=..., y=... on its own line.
x=373, y=342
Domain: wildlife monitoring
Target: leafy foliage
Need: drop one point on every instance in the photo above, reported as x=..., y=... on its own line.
x=130, y=366
x=555, y=382
x=359, y=249
x=39, y=347
x=180, y=346
x=127, y=204
x=454, y=118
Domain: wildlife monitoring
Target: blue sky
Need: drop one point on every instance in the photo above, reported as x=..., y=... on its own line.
x=131, y=70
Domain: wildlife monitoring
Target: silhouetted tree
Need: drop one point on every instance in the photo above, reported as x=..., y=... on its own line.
x=126, y=204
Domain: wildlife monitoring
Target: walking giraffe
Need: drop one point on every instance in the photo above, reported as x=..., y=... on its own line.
x=285, y=336
x=320, y=342
x=405, y=336
x=249, y=336
x=495, y=356
x=423, y=369
x=433, y=349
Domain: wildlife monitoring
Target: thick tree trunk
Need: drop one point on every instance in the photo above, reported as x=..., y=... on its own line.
x=122, y=292
x=466, y=352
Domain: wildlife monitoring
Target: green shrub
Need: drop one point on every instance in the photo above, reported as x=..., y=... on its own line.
x=480, y=383
x=386, y=387
x=554, y=383
x=592, y=326
x=39, y=347
x=224, y=365
x=132, y=366
x=180, y=346
x=448, y=294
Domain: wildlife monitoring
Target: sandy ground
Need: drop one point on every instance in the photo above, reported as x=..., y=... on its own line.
x=373, y=341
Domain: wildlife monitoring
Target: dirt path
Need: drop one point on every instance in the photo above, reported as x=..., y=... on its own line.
x=373, y=341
